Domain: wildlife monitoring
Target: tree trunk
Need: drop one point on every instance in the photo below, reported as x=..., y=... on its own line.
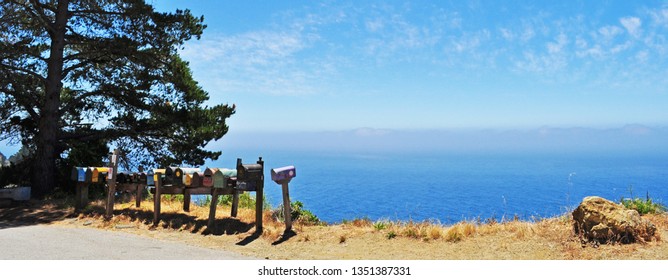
x=44, y=169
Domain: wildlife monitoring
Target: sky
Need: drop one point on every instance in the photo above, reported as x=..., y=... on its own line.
x=377, y=72
x=432, y=65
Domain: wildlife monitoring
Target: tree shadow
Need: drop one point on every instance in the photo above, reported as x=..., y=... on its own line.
x=33, y=212
x=45, y=212
x=180, y=221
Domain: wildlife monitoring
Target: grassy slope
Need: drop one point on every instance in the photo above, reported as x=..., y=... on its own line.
x=357, y=239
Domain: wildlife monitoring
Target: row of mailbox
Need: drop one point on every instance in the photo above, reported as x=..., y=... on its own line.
x=248, y=176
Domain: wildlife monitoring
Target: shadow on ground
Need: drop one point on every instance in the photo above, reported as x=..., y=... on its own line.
x=44, y=212
x=33, y=212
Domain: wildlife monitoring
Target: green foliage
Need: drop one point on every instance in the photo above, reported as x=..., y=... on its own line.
x=173, y=197
x=391, y=235
x=298, y=213
x=14, y=174
x=18, y=170
x=303, y=215
x=76, y=77
x=246, y=200
x=380, y=225
x=643, y=206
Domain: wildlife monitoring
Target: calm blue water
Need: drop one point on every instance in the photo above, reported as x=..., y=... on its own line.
x=448, y=188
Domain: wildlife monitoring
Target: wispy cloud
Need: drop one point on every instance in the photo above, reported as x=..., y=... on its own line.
x=264, y=62
x=659, y=16
x=632, y=25
x=305, y=49
x=249, y=49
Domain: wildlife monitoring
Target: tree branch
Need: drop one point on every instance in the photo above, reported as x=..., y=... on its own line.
x=40, y=15
x=79, y=99
x=25, y=71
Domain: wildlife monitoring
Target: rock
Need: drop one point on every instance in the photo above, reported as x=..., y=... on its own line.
x=123, y=226
x=600, y=220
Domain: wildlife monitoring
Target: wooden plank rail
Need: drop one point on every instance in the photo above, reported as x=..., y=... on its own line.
x=175, y=181
x=215, y=193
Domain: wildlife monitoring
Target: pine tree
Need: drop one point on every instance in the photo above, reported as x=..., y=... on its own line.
x=74, y=72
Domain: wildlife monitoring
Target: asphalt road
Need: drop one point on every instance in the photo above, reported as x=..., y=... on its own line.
x=39, y=242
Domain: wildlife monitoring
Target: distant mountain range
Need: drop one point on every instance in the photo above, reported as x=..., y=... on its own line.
x=629, y=138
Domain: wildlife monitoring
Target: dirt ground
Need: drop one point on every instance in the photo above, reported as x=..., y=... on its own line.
x=547, y=239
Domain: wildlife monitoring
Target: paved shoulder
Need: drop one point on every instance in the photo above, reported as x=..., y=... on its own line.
x=41, y=242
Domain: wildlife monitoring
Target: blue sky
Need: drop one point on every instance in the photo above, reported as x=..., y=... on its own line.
x=373, y=72
x=327, y=66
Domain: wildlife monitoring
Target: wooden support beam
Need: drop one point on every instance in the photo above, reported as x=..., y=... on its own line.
x=156, y=199
x=287, y=213
x=111, y=183
x=138, y=194
x=212, y=208
x=81, y=197
x=235, y=204
x=186, y=200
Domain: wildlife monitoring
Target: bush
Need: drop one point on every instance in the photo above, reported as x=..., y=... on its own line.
x=380, y=225
x=298, y=213
x=643, y=206
x=246, y=200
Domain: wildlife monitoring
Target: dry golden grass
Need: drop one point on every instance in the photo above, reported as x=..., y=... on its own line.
x=364, y=239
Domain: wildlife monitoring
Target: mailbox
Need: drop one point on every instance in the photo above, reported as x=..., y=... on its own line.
x=150, y=179
x=250, y=172
x=84, y=174
x=155, y=174
x=142, y=178
x=221, y=176
x=196, y=180
x=75, y=174
x=249, y=186
x=250, y=177
x=123, y=177
x=132, y=178
x=99, y=174
x=283, y=174
x=185, y=174
x=89, y=174
x=219, y=180
x=207, y=180
x=171, y=176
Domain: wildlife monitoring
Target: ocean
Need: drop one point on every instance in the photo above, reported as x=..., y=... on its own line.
x=451, y=187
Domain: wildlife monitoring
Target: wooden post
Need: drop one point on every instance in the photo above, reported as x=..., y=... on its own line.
x=138, y=194
x=259, y=200
x=212, y=207
x=81, y=199
x=287, y=212
x=156, y=199
x=186, y=199
x=235, y=203
x=111, y=183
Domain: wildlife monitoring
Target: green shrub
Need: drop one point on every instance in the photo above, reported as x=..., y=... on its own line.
x=306, y=216
x=643, y=206
x=380, y=225
x=246, y=200
x=298, y=213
